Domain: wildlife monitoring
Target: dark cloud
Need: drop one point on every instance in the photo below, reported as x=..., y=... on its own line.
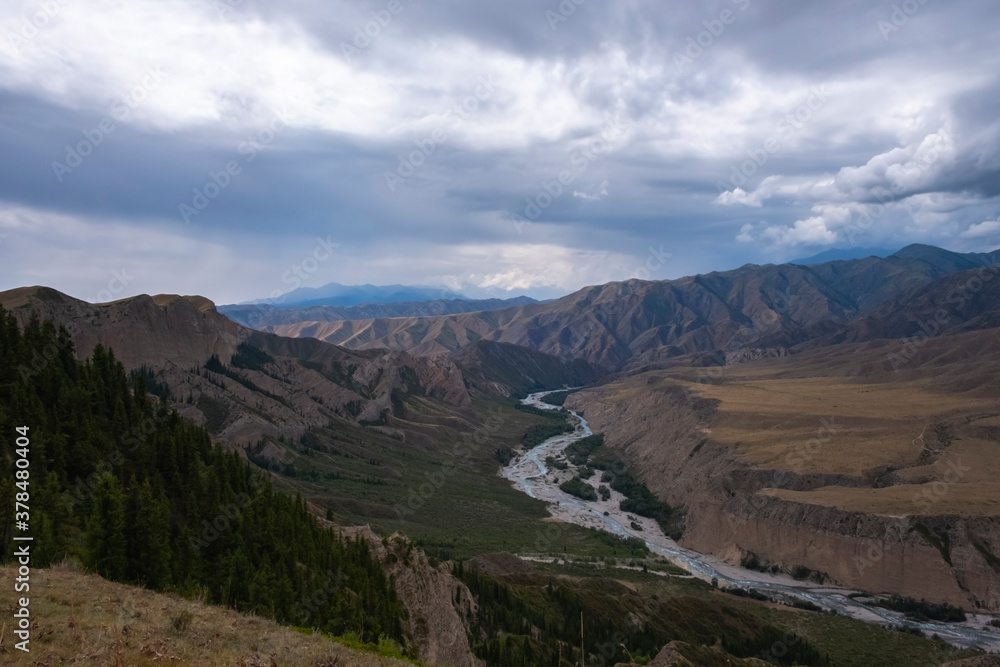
x=689, y=124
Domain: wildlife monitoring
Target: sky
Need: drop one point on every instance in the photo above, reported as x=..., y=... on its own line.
x=240, y=148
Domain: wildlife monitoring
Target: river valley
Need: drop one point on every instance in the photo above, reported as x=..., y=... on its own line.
x=530, y=474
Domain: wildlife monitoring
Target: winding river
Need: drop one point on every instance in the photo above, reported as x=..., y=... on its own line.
x=530, y=473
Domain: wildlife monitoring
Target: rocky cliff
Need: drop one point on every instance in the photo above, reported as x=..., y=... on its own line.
x=433, y=598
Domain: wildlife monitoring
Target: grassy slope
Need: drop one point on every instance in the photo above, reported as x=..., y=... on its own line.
x=454, y=506
x=848, y=642
x=84, y=618
x=910, y=428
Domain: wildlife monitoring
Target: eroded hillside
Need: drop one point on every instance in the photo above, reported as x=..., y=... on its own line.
x=881, y=482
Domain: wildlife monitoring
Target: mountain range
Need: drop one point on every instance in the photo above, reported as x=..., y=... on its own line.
x=248, y=386
x=709, y=389
x=337, y=295
x=705, y=319
x=261, y=316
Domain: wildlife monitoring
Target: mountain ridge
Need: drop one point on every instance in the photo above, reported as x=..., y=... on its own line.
x=263, y=316
x=627, y=325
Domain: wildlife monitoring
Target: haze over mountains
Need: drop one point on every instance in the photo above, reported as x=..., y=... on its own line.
x=337, y=295
x=260, y=316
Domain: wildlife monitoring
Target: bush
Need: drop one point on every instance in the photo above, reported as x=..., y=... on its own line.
x=580, y=451
x=539, y=433
x=504, y=455
x=182, y=621
x=577, y=487
x=551, y=462
x=921, y=610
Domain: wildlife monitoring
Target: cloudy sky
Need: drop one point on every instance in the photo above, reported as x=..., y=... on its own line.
x=239, y=148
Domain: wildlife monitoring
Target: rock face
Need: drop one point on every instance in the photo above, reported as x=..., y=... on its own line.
x=161, y=330
x=673, y=655
x=665, y=435
x=432, y=597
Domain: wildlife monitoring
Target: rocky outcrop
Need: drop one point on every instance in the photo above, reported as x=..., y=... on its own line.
x=682, y=654
x=432, y=596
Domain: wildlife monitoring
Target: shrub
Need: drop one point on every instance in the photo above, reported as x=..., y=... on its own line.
x=577, y=487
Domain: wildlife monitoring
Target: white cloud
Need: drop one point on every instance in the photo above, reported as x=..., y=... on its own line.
x=987, y=228
x=602, y=192
x=740, y=196
x=902, y=179
x=815, y=230
x=746, y=233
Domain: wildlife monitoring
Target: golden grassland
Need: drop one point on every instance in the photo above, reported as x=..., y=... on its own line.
x=941, y=443
x=82, y=618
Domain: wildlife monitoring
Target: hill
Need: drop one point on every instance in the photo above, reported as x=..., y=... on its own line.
x=841, y=254
x=870, y=464
x=82, y=617
x=245, y=386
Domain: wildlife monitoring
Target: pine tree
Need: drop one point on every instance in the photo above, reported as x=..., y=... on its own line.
x=106, y=544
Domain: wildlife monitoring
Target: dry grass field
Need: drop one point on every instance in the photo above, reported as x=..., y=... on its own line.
x=913, y=436
x=84, y=619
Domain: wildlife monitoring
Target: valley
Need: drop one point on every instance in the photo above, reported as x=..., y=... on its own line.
x=771, y=450
x=530, y=474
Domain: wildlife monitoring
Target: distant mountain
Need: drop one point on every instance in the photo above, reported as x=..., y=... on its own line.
x=337, y=295
x=718, y=317
x=842, y=254
x=262, y=316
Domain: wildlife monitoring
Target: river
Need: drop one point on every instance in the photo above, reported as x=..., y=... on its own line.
x=529, y=473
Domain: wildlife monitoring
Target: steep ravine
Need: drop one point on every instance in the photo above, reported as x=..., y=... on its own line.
x=665, y=436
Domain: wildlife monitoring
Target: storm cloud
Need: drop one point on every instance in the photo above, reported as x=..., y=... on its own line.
x=207, y=146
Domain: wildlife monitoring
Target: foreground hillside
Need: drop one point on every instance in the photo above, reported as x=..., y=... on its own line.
x=82, y=618
x=118, y=480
